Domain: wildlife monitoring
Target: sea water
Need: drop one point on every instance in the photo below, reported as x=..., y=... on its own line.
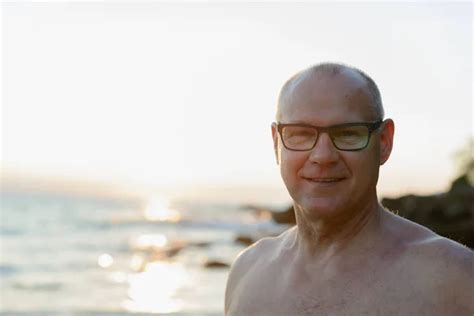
x=65, y=255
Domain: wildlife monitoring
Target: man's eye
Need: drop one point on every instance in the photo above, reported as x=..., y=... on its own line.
x=348, y=134
x=353, y=132
x=300, y=133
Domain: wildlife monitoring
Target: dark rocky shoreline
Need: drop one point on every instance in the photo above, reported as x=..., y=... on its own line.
x=449, y=214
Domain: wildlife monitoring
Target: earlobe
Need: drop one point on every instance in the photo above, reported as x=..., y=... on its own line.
x=386, y=140
x=275, y=142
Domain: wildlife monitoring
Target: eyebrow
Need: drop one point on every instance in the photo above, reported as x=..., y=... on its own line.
x=307, y=123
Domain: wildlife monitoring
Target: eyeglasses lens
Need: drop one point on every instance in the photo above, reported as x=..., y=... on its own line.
x=299, y=137
x=350, y=138
x=344, y=138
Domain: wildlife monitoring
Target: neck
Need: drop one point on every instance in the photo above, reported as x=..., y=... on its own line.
x=329, y=235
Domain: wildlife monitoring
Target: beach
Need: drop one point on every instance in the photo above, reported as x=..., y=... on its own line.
x=69, y=255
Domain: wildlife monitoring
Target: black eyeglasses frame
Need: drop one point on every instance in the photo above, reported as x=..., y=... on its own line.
x=371, y=126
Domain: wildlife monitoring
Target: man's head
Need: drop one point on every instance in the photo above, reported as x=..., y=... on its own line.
x=333, y=69
x=324, y=180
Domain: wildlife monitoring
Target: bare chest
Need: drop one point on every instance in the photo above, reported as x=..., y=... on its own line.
x=374, y=291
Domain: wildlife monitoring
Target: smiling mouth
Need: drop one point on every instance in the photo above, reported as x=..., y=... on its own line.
x=324, y=180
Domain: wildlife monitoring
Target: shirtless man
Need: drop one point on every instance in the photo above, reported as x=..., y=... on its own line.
x=347, y=255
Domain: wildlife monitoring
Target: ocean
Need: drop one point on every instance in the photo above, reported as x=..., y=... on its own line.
x=69, y=255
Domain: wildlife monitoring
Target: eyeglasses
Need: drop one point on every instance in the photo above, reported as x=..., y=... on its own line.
x=346, y=137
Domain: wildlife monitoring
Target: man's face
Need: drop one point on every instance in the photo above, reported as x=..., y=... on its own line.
x=325, y=181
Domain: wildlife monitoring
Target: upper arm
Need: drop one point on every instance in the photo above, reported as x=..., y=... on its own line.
x=452, y=274
x=244, y=265
x=232, y=279
x=460, y=276
x=238, y=270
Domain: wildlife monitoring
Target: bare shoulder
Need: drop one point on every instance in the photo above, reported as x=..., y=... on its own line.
x=261, y=250
x=255, y=256
x=420, y=243
x=437, y=262
x=454, y=260
x=445, y=264
x=258, y=253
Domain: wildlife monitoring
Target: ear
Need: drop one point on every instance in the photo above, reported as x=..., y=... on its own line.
x=275, y=141
x=386, y=140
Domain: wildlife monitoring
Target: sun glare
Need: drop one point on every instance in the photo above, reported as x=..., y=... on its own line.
x=154, y=290
x=158, y=209
x=105, y=260
x=151, y=241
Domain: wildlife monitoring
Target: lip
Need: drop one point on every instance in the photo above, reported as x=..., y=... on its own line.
x=324, y=180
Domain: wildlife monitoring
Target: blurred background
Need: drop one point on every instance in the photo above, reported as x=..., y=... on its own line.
x=136, y=153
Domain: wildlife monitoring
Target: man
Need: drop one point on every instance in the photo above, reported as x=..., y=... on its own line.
x=346, y=255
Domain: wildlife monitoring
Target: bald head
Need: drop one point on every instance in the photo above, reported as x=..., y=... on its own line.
x=328, y=71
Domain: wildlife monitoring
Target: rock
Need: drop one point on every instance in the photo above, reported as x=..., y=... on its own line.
x=244, y=239
x=215, y=264
x=449, y=214
x=173, y=250
x=200, y=244
x=461, y=185
x=285, y=217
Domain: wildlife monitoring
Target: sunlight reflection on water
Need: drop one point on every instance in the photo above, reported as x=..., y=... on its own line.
x=151, y=241
x=158, y=209
x=105, y=260
x=154, y=290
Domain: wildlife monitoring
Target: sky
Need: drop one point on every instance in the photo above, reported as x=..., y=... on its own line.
x=173, y=94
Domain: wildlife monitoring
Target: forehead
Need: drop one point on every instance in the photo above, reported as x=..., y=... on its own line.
x=326, y=98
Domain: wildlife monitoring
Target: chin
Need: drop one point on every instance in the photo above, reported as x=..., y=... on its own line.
x=321, y=207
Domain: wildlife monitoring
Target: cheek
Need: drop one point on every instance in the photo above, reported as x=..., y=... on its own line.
x=290, y=164
x=365, y=171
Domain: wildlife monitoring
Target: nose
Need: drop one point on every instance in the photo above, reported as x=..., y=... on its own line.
x=324, y=151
